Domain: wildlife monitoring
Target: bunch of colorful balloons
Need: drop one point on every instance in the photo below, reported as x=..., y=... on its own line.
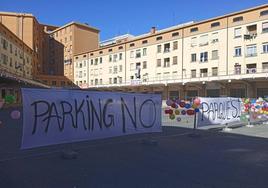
x=178, y=107
x=258, y=108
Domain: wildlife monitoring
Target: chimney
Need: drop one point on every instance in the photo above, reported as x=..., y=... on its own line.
x=153, y=30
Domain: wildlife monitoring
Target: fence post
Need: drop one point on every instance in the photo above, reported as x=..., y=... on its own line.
x=249, y=122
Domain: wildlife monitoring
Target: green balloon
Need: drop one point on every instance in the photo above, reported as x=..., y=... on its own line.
x=9, y=99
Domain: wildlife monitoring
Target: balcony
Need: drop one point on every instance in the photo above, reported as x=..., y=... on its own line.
x=251, y=55
x=251, y=70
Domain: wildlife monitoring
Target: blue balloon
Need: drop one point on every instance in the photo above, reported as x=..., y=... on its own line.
x=196, y=110
x=187, y=106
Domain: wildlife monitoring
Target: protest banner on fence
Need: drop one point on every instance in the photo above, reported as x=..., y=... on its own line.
x=52, y=116
x=221, y=110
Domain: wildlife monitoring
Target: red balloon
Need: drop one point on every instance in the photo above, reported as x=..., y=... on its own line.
x=190, y=112
x=182, y=104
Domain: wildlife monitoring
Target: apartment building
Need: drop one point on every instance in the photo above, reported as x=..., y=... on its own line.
x=54, y=46
x=16, y=57
x=221, y=56
x=26, y=28
x=68, y=40
x=16, y=64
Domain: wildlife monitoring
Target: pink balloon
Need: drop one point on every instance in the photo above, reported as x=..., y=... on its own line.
x=2, y=104
x=15, y=114
x=197, y=101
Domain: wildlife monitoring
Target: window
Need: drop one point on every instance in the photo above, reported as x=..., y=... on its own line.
x=10, y=48
x=132, y=66
x=193, y=57
x=10, y=62
x=115, y=58
x=132, y=54
x=138, y=53
x=265, y=48
x=264, y=13
x=195, y=29
x=120, y=68
x=265, y=27
x=159, y=48
x=265, y=67
x=214, y=37
x=120, y=56
x=100, y=52
x=238, y=51
x=120, y=80
x=159, y=38
x=96, y=61
x=193, y=41
x=4, y=43
x=193, y=73
x=166, y=62
x=115, y=70
x=145, y=42
x=144, y=51
x=203, y=73
x=237, y=32
x=120, y=47
x=251, y=51
x=100, y=81
x=144, y=65
x=100, y=60
x=85, y=63
x=115, y=80
x=110, y=80
x=251, y=68
x=214, y=71
x=215, y=55
x=238, y=19
x=215, y=24
x=175, y=45
x=110, y=50
x=175, y=34
x=166, y=47
x=110, y=70
x=237, y=69
x=204, y=40
x=204, y=57
x=158, y=63
x=132, y=44
x=54, y=83
x=175, y=60
x=110, y=58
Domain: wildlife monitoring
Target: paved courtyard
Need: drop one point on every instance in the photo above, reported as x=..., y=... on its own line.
x=174, y=158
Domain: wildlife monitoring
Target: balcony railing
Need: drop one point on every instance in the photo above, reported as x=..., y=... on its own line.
x=179, y=78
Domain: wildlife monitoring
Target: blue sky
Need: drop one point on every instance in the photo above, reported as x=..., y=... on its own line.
x=115, y=17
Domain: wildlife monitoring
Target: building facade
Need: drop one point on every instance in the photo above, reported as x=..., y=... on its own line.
x=222, y=56
x=68, y=40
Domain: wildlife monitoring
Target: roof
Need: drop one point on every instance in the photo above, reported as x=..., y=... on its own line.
x=182, y=26
x=75, y=23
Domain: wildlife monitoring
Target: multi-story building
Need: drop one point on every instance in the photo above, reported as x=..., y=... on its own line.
x=222, y=56
x=53, y=46
x=68, y=40
x=26, y=28
x=16, y=57
x=16, y=64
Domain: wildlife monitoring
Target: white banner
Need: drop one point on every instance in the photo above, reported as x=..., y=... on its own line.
x=220, y=110
x=53, y=116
